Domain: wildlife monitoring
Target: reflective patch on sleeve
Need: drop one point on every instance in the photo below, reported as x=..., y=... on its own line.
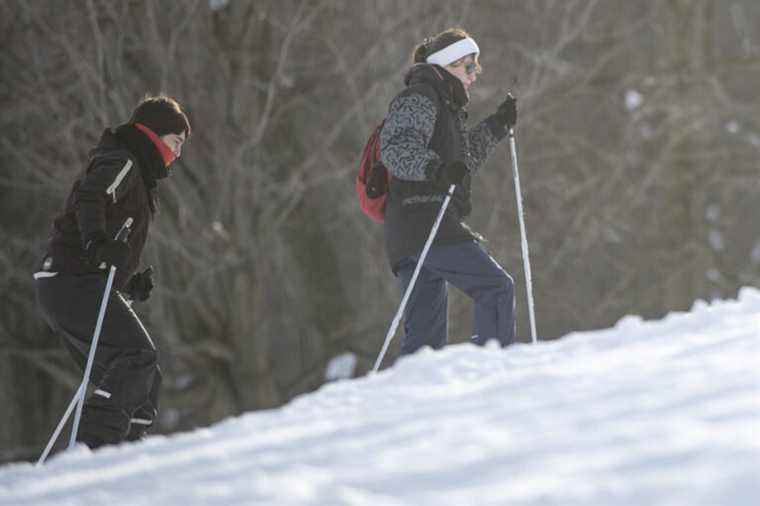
x=102, y=393
x=111, y=190
x=43, y=274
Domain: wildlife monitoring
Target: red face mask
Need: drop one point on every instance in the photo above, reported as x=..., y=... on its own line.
x=166, y=153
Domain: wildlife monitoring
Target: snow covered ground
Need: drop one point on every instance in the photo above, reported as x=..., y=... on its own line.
x=645, y=413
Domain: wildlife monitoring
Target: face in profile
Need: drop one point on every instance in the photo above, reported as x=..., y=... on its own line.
x=175, y=142
x=465, y=69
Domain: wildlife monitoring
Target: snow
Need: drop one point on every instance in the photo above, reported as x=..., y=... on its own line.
x=633, y=100
x=645, y=413
x=733, y=127
x=341, y=367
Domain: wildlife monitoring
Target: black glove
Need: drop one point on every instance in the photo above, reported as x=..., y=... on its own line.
x=452, y=173
x=139, y=285
x=506, y=114
x=103, y=252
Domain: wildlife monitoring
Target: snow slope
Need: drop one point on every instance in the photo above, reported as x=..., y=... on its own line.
x=645, y=413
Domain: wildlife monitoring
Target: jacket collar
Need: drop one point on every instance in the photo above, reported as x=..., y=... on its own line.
x=148, y=155
x=449, y=87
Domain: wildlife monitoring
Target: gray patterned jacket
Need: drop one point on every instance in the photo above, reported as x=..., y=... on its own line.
x=407, y=132
x=425, y=129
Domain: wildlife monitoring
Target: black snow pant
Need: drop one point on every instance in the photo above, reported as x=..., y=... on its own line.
x=125, y=371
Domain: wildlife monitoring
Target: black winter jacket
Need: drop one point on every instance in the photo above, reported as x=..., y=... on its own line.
x=423, y=131
x=119, y=183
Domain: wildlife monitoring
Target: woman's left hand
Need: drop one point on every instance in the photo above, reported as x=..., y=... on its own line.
x=507, y=111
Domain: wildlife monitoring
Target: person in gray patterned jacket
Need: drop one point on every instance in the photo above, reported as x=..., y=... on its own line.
x=426, y=147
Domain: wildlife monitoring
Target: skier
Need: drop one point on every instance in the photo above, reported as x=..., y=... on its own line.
x=119, y=183
x=427, y=147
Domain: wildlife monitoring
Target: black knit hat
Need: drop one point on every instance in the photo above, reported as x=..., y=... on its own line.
x=161, y=114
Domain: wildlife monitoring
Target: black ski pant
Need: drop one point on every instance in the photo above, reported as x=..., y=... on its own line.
x=125, y=371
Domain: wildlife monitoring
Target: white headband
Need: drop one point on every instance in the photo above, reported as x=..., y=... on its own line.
x=454, y=52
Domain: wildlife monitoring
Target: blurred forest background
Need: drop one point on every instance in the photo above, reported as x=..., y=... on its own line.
x=638, y=141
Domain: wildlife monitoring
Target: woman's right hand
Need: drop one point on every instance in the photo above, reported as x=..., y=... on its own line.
x=506, y=114
x=452, y=173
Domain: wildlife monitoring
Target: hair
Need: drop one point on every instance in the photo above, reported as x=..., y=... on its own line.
x=161, y=114
x=433, y=44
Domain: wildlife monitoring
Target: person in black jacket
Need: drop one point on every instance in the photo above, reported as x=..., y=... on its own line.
x=119, y=183
x=426, y=146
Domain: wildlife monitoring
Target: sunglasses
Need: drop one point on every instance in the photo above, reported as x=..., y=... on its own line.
x=470, y=68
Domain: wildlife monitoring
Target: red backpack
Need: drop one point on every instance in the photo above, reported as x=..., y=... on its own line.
x=373, y=180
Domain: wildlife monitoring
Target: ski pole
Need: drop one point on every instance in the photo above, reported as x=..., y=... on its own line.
x=58, y=429
x=79, y=396
x=121, y=236
x=408, y=292
x=523, y=235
